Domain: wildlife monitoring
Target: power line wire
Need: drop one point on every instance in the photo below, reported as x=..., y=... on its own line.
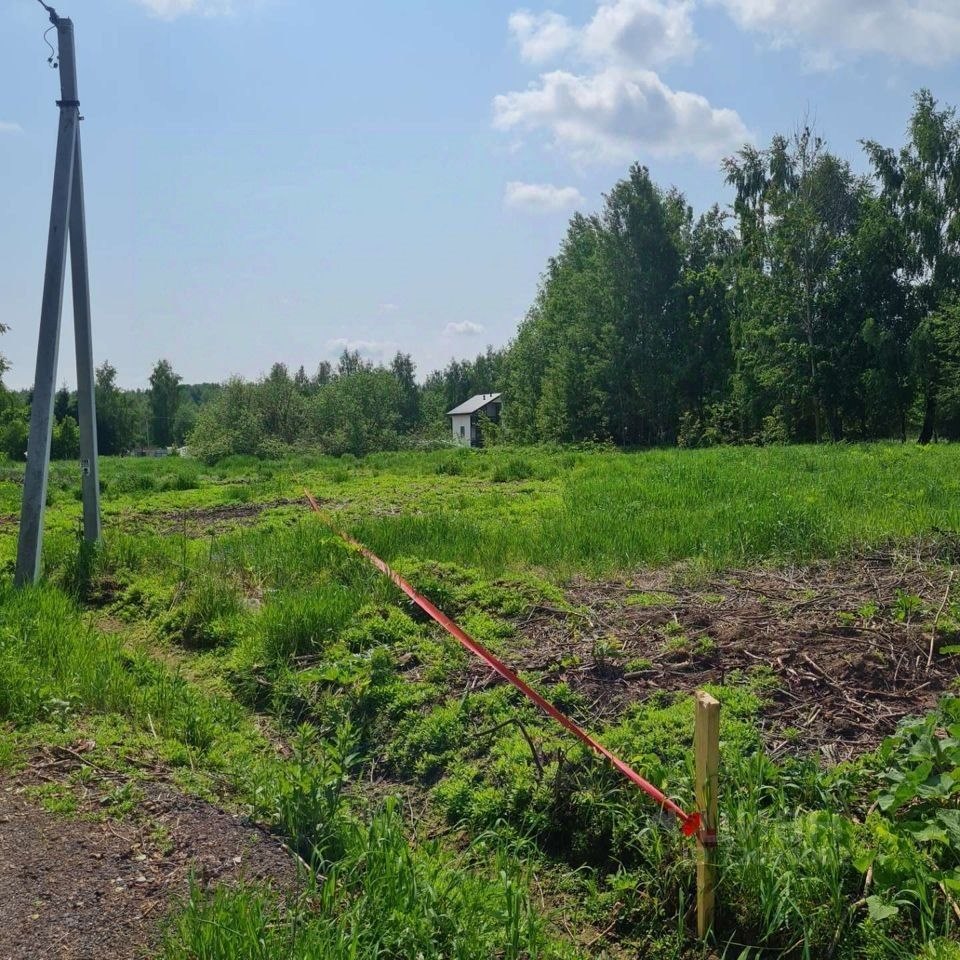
x=53, y=59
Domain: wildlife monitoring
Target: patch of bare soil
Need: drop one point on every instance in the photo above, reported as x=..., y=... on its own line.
x=85, y=887
x=850, y=649
x=201, y=521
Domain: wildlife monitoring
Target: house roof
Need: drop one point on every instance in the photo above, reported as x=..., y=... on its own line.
x=474, y=403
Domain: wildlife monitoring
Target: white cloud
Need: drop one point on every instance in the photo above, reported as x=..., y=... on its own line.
x=639, y=32
x=632, y=32
x=615, y=113
x=540, y=197
x=171, y=9
x=611, y=105
x=375, y=350
x=463, y=329
x=541, y=35
x=10, y=127
x=924, y=31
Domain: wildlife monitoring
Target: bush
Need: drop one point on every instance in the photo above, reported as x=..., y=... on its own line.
x=65, y=440
x=13, y=437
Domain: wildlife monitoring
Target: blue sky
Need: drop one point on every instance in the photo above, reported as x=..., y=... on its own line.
x=276, y=179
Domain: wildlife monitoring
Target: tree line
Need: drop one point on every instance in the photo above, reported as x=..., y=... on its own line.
x=127, y=420
x=353, y=406
x=819, y=305
x=822, y=305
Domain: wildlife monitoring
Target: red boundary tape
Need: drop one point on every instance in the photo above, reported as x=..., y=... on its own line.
x=690, y=823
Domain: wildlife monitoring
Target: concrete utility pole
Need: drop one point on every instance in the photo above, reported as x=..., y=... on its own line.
x=67, y=221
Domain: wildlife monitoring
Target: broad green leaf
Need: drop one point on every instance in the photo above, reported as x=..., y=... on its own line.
x=879, y=910
x=938, y=786
x=927, y=832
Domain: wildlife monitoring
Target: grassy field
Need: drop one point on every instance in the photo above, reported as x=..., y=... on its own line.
x=220, y=619
x=564, y=511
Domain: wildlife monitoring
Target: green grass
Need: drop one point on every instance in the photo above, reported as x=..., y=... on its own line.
x=563, y=511
x=268, y=618
x=61, y=678
x=372, y=894
x=379, y=899
x=724, y=507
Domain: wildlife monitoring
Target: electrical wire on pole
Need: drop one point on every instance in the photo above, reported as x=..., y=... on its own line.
x=54, y=58
x=54, y=19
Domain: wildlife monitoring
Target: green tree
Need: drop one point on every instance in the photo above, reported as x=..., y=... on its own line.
x=164, y=403
x=281, y=406
x=404, y=372
x=921, y=184
x=872, y=380
x=118, y=420
x=351, y=362
x=64, y=404
x=600, y=353
x=357, y=412
x=229, y=424
x=944, y=330
x=65, y=440
x=798, y=207
x=301, y=380
x=13, y=418
x=560, y=366
x=642, y=228
x=710, y=252
x=185, y=422
x=323, y=375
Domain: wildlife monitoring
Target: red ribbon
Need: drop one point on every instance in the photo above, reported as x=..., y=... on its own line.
x=690, y=823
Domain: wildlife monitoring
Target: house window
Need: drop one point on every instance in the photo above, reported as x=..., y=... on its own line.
x=462, y=433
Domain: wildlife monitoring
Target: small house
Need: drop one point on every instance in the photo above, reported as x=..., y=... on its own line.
x=465, y=419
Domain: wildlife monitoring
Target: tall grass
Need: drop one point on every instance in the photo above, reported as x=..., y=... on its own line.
x=51, y=662
x=55, y=667
x=373, y=893
x=568, y=511
x=381, y=899
x=369, y=892
x=728, y=506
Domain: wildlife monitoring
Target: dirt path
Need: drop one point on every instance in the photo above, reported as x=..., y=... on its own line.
x=77, y=888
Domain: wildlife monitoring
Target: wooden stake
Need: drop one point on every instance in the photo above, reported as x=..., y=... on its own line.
x=706, y=749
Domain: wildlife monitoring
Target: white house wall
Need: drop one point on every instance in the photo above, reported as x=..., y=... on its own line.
x=458, y=421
